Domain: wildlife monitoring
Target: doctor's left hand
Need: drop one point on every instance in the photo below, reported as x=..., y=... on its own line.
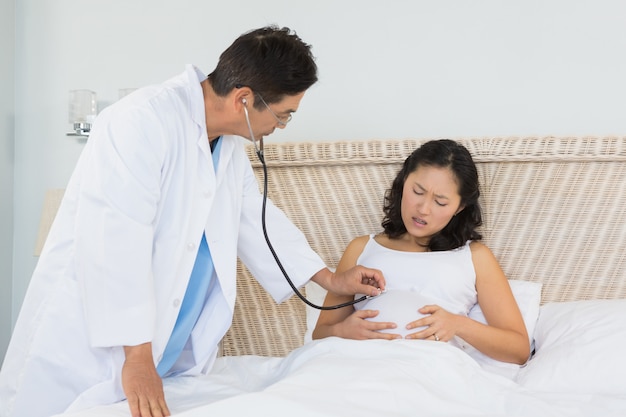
x=142, y=384
x=356, y=280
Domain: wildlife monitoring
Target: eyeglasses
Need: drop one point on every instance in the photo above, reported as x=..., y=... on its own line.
x=282, y=121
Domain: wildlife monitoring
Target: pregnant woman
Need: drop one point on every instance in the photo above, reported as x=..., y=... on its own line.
x=436, y=269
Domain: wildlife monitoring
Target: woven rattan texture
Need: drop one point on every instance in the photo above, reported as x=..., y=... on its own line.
x=554, y=212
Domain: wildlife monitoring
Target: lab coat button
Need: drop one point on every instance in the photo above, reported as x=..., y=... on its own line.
x=190, y=246
x=176, y=302
x=207, y=194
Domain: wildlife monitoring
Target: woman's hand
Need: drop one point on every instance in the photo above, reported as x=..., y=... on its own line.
x=356, y=326
x=440, y=325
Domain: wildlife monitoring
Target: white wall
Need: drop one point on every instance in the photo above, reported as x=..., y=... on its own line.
x=391, y=69
x=7, y=43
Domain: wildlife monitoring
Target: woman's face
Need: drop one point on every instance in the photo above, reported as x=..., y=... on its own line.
x=430, y=198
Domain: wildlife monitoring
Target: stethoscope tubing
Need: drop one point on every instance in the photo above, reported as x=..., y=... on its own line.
x=259, y=152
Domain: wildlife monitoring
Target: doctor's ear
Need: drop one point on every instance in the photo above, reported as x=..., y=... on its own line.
x=242, y=93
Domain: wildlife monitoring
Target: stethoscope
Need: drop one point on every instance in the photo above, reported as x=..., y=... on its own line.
x=259, y=152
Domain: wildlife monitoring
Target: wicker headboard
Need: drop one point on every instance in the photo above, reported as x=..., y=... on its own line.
x=554, y=211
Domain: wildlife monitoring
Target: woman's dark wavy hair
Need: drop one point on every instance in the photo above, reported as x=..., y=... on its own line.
x=273, y=62
x=443, y=153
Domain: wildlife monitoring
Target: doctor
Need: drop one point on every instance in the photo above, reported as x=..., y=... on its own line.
x=136, y=281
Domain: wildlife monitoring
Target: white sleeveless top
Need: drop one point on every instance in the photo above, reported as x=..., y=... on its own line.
x=415, y=279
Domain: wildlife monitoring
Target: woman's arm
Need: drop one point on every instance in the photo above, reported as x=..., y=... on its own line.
x=505, y=338
x=346, y=322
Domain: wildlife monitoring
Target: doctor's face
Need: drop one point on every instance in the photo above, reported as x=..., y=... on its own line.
x=274, y=115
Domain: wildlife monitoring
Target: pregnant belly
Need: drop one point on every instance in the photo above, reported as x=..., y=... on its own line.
x=399, y=307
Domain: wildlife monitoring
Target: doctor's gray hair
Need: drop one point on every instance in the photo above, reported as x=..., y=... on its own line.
x=272, y=62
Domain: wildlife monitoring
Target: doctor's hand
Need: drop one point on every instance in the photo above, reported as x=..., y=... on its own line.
x=142, y=384
x=356, y=280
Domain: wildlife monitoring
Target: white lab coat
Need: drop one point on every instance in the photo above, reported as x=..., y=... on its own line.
x=116, y=264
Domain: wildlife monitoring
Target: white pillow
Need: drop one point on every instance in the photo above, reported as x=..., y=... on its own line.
x=527, y=294
x=579, y=348
x=528, y=297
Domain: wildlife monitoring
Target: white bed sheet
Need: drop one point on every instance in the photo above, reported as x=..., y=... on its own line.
x=338, y=377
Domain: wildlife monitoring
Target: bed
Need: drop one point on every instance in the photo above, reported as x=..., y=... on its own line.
x=555, y=216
